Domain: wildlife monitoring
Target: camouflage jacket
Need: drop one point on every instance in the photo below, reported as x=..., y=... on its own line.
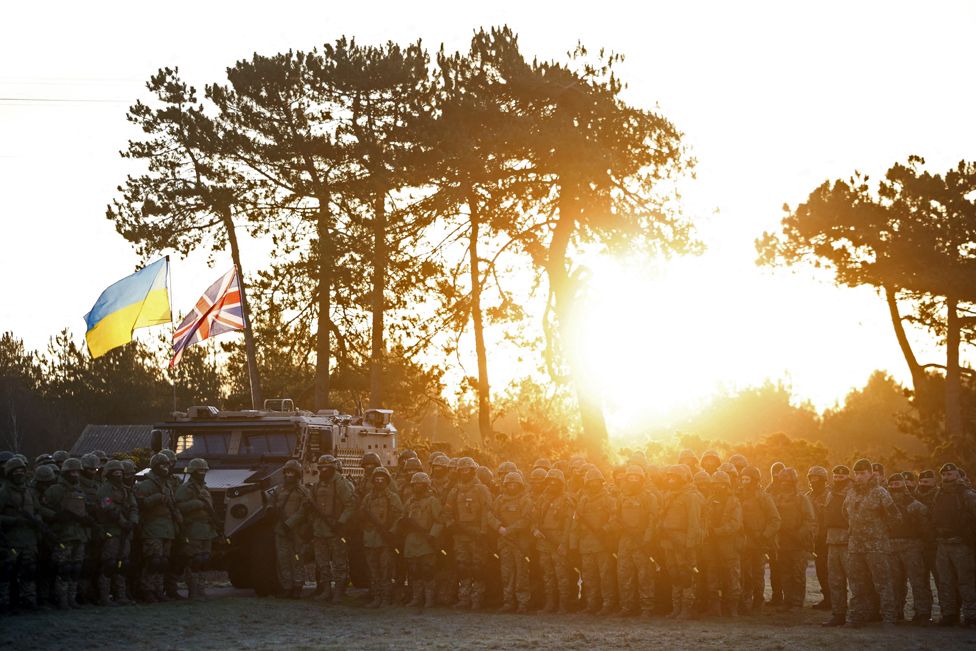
x=914, y=523
x=468, y=509
x=819, y=502
x=591, y=531
x=954, y=514
x=16, y=508
x=799, y=522
x=835, y=517
x=760, y=519
x=332, y=505
x=425, y=515
x=723, y=523
x=117, y=508
x=869, y=510
x=635, y=516
x=553, y=518
x=288, y=504
x=67, y=500
x=195, y=503
x=156, y=505
x=681, y=518
x=514, y=512
x=381, y=512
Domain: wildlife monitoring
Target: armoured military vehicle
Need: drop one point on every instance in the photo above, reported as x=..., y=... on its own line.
x=246, y=451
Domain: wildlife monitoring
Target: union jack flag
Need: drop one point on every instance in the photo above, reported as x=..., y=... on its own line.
x=219, y=310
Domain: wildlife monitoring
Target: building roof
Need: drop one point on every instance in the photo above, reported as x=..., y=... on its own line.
x=112, y=439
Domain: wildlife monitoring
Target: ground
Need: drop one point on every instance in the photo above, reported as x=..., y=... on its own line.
x=235, y=619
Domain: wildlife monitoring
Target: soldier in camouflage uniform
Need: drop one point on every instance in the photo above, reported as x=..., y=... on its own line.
x=90, y=482
x=369, y=462
x=760, y=522
x=422, y=525
x=331, y=507
x=817, y=478
x=553, y=523
x=118, y=514
x=512, y=518
x=158, y=516
x=19, y=524
x=593, y=535
x=838, y=534
x=870, y=511
x=175, y=569
x=69, y=517
x=723, y=530
x=380, y=510
x=446, y=576
x=288, y=504
x=468, y=511
x=954, y=519
x=775, y=575
x=45, y=477
x=200, y=526
x=908, y=552
x=636, y=512
x=925, y=492
x=681, y=535
x=796, y=537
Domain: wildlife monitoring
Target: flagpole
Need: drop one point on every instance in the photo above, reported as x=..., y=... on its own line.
x=169, y=290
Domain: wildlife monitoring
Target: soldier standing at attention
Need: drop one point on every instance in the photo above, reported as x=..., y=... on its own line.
x=332, y=504
x=870, y=511
x=817, y=477
x=469, y=511
x=592, y=535
x=157, y=513
x=67, y=501
x=954, y=520
x=18, y=523
x=636, y=512
x=288, y=505
x=835, y=521
x=199, y=526
x=723, y=530
x=760, y=523
x=795, y=539
x=553, y=521
x=423, y=524
x=118, y=514
x=908, y=552
x=381, y=509
x=681, y=531
x=512, y=517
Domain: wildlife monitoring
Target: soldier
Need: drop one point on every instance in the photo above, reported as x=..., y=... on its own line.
x=543, y=463
x=159, y=518
x=739, y=462
x=440, y=477
x=512, y=512
x=369, y=463
x=870, y=511
x=60, y=456
x=423, y=525
x=288, y=505
x=796, y=537
x=761, y=523
x=118, y=513
x=410, y=468
x=468, y=510
x=878, y=470
x=925, y=492
x=200, y=526
x=723, y=530
x=593, y=536
x=911, y=480
x=381, y=510
x=908, y=553
x=44, y=478
x=90, y=483
x=20, y=526
x=175, y=568
x=954, y=518
x=775, y=577
x=332, y=504
x=681, y=531
x=70, y=519
x=635, y=512
x=817, y=477
x=837, y=529
x=690, y=459
x=537, y=483
x=553, y=522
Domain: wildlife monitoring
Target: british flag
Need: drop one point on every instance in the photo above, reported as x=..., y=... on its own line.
x=219, y=310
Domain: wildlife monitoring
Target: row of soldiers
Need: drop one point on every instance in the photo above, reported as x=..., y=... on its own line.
x=77, y=531
x=690, y=539
x=693, y=538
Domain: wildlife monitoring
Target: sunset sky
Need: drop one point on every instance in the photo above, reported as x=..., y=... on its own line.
x=773, y=99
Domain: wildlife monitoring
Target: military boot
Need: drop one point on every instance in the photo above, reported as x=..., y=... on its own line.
x=73, y=595
x=417, y=592
x=339, y=593
x=550, y=605
x=430, y=595
x=323, y=592
x=714, y=609
x=836, y=620
x=104, y=591
x=675, y=603
x=120, y=591
x=687, y=605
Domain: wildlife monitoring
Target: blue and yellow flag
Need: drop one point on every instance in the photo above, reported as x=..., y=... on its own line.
x=136, y=301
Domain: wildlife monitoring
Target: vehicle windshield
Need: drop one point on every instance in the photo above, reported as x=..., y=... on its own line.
x=200, y=444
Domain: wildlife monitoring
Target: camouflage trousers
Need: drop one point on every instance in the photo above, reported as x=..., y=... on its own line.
x=420, y=574
x=752, y=565
x=514, y=570
x=469, y=556
x=908, y=568
x=931, y=570
x=869, y=573
x=288, y=553
x=332, y=560
x=776, y=577
x=957, y=575
x=156, y=553
x=67, y=558
x=822, y=565
x=724, y=578
x=634, y=575
x=837, y=577
x=18, y=565
x=681, y=561
x=791, y=567
x=598, y=580
x=381, y=562
x=557, y=579
x=113, y=562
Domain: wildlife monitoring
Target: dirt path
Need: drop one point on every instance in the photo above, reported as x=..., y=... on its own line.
x=237, y=620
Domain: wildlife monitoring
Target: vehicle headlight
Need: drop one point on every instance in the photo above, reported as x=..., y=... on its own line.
x=238, y=511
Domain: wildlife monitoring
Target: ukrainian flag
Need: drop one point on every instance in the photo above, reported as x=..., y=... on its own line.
x=137, y=301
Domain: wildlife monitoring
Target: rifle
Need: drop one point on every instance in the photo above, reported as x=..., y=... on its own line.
x=38, y=525
x=604, y=536
x=385, y=534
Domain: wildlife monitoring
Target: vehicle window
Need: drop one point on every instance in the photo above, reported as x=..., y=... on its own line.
x=271, y=444
x=195, y=445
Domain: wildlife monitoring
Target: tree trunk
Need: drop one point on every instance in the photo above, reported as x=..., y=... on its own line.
x=254, y=378
x=379, y=287
x=916, y=370
x=587, y=396
x=320, y=397
x=484, y=391
x=953, y=411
